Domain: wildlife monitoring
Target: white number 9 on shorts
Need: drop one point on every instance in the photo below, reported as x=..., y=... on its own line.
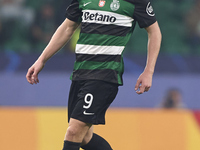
x=88, y=100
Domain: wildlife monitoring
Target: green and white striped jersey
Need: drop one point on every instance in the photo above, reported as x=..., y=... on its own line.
x=106, y=27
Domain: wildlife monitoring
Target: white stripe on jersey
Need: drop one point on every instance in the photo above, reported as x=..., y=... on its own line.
x=94, y=49
x=96, y=16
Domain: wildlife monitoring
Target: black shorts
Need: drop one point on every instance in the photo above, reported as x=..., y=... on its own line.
x=89, y=100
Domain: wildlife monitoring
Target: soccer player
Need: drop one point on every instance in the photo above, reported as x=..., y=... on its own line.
x=106, y=26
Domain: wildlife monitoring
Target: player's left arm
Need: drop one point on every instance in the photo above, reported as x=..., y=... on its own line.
x=144, y=81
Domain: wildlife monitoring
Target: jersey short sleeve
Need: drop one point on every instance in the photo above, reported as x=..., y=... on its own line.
x=73, y=12
x=144, y=13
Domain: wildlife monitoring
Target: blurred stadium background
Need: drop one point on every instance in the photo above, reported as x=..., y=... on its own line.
x=34, y=117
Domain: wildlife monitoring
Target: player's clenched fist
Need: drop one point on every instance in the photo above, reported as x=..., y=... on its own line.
x=33, y=71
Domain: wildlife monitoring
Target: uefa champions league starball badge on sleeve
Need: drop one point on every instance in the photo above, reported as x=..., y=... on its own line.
x=149, y=10
x=114, y=5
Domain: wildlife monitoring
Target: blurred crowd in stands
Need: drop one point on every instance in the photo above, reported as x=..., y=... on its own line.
x=26, y=26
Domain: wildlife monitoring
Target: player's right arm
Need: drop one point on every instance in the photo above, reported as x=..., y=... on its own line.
x=58, y=40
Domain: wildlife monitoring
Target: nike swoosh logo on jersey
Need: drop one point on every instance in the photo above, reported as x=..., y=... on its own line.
x=86, y=3
x=85, y=113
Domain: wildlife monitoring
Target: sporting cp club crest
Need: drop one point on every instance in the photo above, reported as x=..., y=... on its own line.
x=114, y=5
x=101, y=3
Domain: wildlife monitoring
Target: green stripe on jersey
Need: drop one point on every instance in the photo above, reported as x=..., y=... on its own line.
x=100, y=39
x=91, y=65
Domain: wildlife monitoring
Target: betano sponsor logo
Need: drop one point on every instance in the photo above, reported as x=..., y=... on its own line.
x=87, y=16
x=106, y=17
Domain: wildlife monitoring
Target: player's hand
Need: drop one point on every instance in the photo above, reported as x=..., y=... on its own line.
x=144, y=82
x=33, y=71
